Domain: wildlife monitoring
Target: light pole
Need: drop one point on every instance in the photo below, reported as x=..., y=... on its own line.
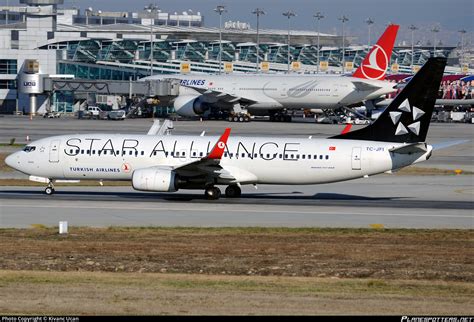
x=289, y=14
x=434, y=30
x=461, y=61
x=259, y=12
x=151, y=9
x=343, y=19
x=369, y=23
x=88, y=13
x=318, y=16
x=220, y=10
x=412, y=28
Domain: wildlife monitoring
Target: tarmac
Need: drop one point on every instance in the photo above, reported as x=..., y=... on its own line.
x=391, y=201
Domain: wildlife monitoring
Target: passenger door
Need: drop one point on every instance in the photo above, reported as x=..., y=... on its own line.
x=54, y=151
x=356, y=158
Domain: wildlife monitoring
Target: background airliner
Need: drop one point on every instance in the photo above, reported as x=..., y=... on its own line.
x=168, y=163
x=270, y=94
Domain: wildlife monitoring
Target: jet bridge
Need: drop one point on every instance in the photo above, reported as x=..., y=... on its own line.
x=36, y=84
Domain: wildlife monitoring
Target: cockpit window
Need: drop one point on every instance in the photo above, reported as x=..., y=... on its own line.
x=29, y=148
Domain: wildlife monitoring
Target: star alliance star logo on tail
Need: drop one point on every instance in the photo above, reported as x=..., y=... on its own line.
x=407, y=108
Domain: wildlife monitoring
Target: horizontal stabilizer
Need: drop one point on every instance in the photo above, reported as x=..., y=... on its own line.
x=410, y=148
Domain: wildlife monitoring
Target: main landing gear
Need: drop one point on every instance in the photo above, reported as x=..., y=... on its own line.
x=238, y=118
x=214, y=193
x=49, y=189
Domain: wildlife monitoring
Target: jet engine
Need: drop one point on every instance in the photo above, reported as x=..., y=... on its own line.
x=190, y=105
x=153, y=179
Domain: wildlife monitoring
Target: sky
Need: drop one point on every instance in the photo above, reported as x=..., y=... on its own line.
x=449, y=16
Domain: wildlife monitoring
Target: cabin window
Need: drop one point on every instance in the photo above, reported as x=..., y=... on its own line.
x=249, y=155
x=172, y=153
x=201, y=154
x=77, y=151
x=255, y=155
x=280, y=156
x=93, y=151
x=143, y=152
x=154, y=152
x=194, y=154
x=225, y=155
x=303, y=156
x=327, y=157
x=243, y=155
x=297, y=156
x=286, y=156
x=315, y=156
x=309, y=156
x=292, y=156
x=166, y=154
x=136, y=153
x=268, y=156
x=321, y=157
x=82, y=151
x=275, y=155
x=231, y=155
x=88, y=151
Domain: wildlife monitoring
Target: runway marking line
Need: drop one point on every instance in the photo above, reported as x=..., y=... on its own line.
x=241, y=210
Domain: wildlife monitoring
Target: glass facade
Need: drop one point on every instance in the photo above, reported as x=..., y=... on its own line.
x=99, y=72
x=8, y=66
x=7, y=84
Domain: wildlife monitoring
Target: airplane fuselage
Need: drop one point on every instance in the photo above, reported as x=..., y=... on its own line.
x=273, y=92
x=247, y=160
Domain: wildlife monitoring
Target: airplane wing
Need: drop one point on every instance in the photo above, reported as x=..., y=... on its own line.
x=208, y=165
x=213, y=96
x=364, y=87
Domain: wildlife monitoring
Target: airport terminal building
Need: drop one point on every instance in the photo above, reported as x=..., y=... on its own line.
x=39, y=37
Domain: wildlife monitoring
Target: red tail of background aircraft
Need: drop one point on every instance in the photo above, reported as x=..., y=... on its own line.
x=377, y=61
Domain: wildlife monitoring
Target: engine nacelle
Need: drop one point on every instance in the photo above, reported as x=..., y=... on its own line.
x=189, y=105
x=154, y=180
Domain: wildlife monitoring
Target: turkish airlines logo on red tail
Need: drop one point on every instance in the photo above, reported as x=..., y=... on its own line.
x=376, y=65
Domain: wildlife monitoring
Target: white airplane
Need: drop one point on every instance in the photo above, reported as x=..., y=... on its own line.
x=168, y=163
x=271, y=94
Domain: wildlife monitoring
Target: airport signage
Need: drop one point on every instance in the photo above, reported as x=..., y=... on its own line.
x=185, y=68
x=30, y=83
x=228, y=67
x=324, y=65
x=265, y=66
x=465, y=69
x=296, y=65
x=415, y=68
x=349, y=66
x=395, y=68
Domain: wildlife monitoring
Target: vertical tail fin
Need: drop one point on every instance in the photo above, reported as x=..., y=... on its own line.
x=376, y=63
x=408, y=117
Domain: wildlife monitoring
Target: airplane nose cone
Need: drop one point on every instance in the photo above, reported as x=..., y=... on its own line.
x=11, y=160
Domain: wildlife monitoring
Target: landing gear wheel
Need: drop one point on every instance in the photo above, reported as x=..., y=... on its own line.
x=241, y=119
x=230, y=118
x=236, y=118
x=212, y=193
x=233, y=191
x=49, y=191
x=246, y=118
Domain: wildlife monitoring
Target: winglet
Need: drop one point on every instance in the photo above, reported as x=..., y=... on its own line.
x=347, y=128
x=218, y=149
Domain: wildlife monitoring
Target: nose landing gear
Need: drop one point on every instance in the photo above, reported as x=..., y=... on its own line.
x=50, y=188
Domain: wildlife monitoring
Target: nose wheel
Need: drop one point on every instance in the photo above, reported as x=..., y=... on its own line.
x=233, y=191
x=49, y=189
x=212, y=193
